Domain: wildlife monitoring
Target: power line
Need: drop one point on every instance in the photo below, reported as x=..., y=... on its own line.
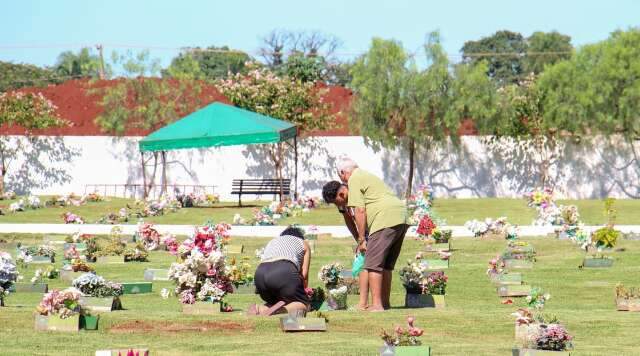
x=261, y=52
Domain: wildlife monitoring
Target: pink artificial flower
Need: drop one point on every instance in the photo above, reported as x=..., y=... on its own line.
x=415, y=332
x=410, y=320
x=399, y=330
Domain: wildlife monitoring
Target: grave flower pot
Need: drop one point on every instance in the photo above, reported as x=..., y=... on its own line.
x=632, y=304
x=320, y=306
x=55, y=323
x=422, y=350
x=525, y=332
x=96, y=304
x=202, y=308
x=597, y=262
x=534, y=352
x=89, y=322
x=337, y=303
x=419, y=300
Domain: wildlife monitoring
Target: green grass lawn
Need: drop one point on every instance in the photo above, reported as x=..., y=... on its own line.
x=474, y=321
x=453, y=211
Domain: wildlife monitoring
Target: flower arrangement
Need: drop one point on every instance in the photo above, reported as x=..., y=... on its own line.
x=31, y=202
x=63, y=303
x=239, y=220
x=41, y=274
x=499, y=226
x=553, y=337
x=403, y=337
x=330, y=275
x=8, y=275
x=115, y=247
x=417, y=279
x=338, y=297
x=605, y=237
x=426, y=227
x=92, y=197
x=539, y=198
x=26, y=254
x=316, y=295
x=625, y=293
x=537, y=298
x=419, y=205
x=71, y=253
x=137, y=253
x=148, y=235
x=157, y=207
x=8, y=195
x=496, y=266
x=262, y=218
x=71, y=218
x=238, y=272
x=201, y=275
x=122, y=216
x=77, y=265
x=92, y=285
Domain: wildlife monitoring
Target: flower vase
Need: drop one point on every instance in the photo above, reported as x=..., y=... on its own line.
x=89, y=322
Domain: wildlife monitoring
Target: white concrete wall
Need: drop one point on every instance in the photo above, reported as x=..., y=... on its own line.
x=586, y=170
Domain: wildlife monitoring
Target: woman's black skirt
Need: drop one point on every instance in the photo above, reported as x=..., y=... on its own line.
x=280, y=281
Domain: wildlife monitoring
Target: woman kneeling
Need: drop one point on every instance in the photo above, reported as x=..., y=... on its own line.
x=283, y=274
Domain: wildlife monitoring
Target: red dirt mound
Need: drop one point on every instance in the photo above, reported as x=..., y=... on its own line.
x=138, y=326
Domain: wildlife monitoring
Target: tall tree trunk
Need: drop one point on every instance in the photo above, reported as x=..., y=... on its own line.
x=412, y=149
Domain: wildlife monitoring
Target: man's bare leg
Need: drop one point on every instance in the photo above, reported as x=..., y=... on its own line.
x=386, y=288
x=364, y=290
x=375, y=285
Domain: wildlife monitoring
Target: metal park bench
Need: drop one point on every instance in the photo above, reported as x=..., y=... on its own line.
x=260, y=186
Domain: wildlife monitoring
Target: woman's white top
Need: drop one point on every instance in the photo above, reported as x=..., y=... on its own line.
x=286, y=247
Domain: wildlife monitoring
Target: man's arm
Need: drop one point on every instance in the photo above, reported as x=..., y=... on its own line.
x=351, y=225
x=361, y=225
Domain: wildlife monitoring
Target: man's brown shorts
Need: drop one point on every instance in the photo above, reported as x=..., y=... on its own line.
x=383, y=248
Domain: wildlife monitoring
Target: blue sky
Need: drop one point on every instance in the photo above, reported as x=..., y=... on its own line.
x=56, y=25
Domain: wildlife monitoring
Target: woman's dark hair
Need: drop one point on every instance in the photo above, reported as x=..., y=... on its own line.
x=330, y=191
x=293, y=231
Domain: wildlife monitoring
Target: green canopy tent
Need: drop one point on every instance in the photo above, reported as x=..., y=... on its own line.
x=215, y=125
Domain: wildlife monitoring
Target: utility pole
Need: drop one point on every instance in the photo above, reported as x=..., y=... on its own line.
x=101, y=72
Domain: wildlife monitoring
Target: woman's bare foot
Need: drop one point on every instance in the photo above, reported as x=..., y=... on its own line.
x=362, y=307
x=375, y=308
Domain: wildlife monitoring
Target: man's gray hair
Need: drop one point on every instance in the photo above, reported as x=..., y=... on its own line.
x=346, y=164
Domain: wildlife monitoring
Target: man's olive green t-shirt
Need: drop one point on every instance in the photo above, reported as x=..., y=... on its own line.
x=383, y=208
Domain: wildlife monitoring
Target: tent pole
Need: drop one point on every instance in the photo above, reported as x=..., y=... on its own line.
x=164, y=173
x=295, y=172
x=144, y=176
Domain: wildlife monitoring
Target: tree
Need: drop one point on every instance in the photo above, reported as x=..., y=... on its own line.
x=305, y=69
x=263, y=91
x=28, y=111
x=511, y=57
x=397, y=104
x=81, y=64
x=16, y=76
x=545, y=49
x=145, y=102
x=213, y=62
x=597, y=91
x=503, y=51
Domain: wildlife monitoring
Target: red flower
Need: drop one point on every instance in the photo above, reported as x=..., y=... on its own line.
x=426, y=226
